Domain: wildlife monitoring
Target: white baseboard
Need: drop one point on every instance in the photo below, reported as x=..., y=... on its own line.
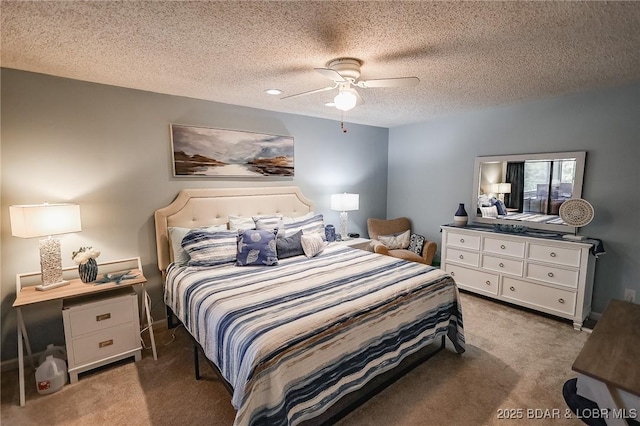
x=12, y=364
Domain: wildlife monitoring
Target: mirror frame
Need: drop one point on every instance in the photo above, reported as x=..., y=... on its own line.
x=580, y=157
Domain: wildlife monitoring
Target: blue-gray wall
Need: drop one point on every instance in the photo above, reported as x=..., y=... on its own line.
x=108, y=149
x=431, y=168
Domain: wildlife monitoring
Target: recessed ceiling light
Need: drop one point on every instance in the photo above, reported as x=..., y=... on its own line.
x=330, y=104
x=274, y=91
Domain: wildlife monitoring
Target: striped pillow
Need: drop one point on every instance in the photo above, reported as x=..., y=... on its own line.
x=312, y=244
x=176, y=234
x=313, y=224
x=209, y=248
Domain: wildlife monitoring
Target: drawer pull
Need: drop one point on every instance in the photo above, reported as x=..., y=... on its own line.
x=561, y=300
x=488, y=282
x=103, y=317
x=502, y=246
x=552, y=254
x=462, y=240
x=105, y=343
x=452, y=274
x=512, y=288
x=501, y=265
x=461, y=257
x=550, y=274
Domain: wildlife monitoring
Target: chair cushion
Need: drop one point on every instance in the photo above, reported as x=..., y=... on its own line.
x=406, y=255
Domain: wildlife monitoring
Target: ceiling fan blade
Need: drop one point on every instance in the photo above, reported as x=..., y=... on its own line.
x=331, y=74
x=310, y=92
x=390, y=82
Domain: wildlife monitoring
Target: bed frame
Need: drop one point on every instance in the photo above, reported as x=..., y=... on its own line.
x=212, y=206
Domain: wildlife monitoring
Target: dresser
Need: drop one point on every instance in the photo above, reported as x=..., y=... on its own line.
x=100, y=329
x=547, y=274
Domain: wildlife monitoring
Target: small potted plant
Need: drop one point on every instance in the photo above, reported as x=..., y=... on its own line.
x=85, y=258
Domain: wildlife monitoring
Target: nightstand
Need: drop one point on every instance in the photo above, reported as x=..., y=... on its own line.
x=26, y=295
x=100, y=329
x=359, y=243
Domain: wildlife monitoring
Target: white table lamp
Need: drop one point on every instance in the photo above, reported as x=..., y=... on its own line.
x=344, y=203
x=45, y=220
x=501, y=189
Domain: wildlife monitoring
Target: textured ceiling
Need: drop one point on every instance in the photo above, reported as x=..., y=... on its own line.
x=466, y=54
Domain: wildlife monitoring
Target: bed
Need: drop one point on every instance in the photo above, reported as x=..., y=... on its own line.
x=297, y=339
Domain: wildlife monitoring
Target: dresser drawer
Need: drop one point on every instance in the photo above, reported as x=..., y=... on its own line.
x=467, y=241
x=106, y=343
x=464, y=277
x=464, y=257
x=557, y=255
x=504, y=247
x=553, y=275
x=502, y=265
x=99, y=316
x=553, y=299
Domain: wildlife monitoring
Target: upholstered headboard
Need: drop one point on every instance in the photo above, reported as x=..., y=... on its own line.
x=212, y=206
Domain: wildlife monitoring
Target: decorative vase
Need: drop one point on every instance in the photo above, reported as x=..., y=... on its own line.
x=330, y=233
x=460, y=218
x=88, y=271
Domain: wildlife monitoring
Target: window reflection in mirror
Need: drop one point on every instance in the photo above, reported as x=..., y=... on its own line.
x=527, y=188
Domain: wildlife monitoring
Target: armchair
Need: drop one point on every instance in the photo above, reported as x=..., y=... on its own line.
x=377, y=227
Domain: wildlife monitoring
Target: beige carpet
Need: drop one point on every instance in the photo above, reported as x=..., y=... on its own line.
x=514, y=360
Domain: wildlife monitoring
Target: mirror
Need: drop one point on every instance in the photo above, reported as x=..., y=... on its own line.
x=527, y=189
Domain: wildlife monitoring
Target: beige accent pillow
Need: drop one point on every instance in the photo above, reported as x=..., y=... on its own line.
x=489, y=211
x=396, y=241
x=312, y=244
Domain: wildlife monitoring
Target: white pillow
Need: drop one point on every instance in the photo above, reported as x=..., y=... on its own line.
x=269, y=223
x=489, y=211
x=396, y=241
x=312, y=244
x=237, y=223
x=176, y=234
x=292, y=219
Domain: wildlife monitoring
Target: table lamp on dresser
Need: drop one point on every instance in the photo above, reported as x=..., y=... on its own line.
x=45, y=220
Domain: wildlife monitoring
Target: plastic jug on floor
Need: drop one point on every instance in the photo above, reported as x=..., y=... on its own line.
x=51, y=376
x=56, y=351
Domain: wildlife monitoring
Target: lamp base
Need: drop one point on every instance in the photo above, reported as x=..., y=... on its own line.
x=45, y=287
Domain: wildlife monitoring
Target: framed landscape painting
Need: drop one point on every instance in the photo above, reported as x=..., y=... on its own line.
x=202, y=151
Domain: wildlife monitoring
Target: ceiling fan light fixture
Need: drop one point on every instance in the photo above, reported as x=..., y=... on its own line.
x=345, y=100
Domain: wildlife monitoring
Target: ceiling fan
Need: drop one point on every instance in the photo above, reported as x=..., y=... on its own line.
x=345, y=74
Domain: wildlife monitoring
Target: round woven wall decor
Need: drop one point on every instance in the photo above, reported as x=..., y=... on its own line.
x=576, y=212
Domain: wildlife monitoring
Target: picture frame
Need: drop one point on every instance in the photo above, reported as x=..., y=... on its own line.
x=214, y=152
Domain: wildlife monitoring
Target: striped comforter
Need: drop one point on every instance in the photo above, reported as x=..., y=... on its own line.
x=292, y=339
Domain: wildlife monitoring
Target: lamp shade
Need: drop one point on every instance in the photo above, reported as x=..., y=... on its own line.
x=345, y=100
x=504, y=188
x=345, y=202
x=501, y=188
x=41, y=220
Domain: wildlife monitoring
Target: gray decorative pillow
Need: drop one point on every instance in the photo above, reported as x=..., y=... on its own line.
x=416, y=244
x=289, y=246
x=257, y=247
